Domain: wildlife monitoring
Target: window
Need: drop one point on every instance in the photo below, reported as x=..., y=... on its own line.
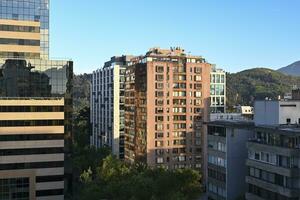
x=14, y=188
x=181, y=158
x=159, y=85
x=217, y=161
x=197, y=110
x=197, y=94
x=179, y=85
x=159, y=77
x=159, y=69
x=159, y=127
x=257, y=156
x=159, y=143
x=180, y=126
x=198, y=86
x=159, y=152
x=159, y=102
x=159, y=93
x=179, y=118
x=179, y=134
x=179, y=142
x=216, y=190
x=159, y=160
x=222, y=78
x=198, y=70
x=179, y=69
x=198, y=78
x=179, y=110
x=159, y=118
x=288, y=120
x=179, y=94
x=179, y=77
x=263, y=157
x=179, y=101
x=159, y=135
x=198, y=102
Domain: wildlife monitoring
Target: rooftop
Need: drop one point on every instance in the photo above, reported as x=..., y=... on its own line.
x=293, y=129
x=233, y=123
x=172, y=52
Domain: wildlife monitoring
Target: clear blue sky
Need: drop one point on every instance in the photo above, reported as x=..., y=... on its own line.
x=235, y=35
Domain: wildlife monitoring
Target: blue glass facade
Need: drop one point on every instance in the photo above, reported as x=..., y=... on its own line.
x=29, y=10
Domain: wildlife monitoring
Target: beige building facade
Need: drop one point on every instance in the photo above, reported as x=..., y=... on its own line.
x=19, y=39
x=166, y=100
x=32, y=148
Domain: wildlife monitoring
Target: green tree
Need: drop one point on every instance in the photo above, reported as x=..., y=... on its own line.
x=116, y=180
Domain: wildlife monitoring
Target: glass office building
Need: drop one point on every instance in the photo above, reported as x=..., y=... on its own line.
x=35, y=128
x=217, y=90
x=29, y=17
x=35, y=78
x=35, y=106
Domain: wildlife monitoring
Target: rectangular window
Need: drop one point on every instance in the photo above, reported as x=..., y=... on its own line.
x=198, y=78
x=159, y=85
x=159, y=102
x=159, y=127
x=159, y=118
x=179, y=77
x=197, y=94
x=159, y=93
x=159, y=77
x=159, y=160
x=159, y=69
x=179, y=94
x=159, y=143
x=159, y=135
x=198, y=70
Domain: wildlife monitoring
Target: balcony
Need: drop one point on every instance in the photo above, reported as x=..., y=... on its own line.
x=289, y=172
x=258, y=145
x=273, y=188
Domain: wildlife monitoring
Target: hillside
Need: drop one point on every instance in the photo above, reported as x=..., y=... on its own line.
x=292, y=69
x=258, y=83
x=81, y=90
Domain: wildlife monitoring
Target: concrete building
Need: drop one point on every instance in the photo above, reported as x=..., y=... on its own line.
x=227, y=154
x=107, y=105
x=274, y=163
x=166, y=100
x=283, y=112
x=218, y=90
x=31, y=148
x=36, y=106
x=274, y=152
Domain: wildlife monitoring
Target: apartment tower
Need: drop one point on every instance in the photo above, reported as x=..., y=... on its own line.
x=107, y=105
x=35, y=106
x=166, y=100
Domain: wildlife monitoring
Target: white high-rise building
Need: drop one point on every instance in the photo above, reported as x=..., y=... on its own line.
x=107, y=105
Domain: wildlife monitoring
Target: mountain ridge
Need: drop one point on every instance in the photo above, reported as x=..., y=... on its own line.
x=256, y=84
x=292, y=69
